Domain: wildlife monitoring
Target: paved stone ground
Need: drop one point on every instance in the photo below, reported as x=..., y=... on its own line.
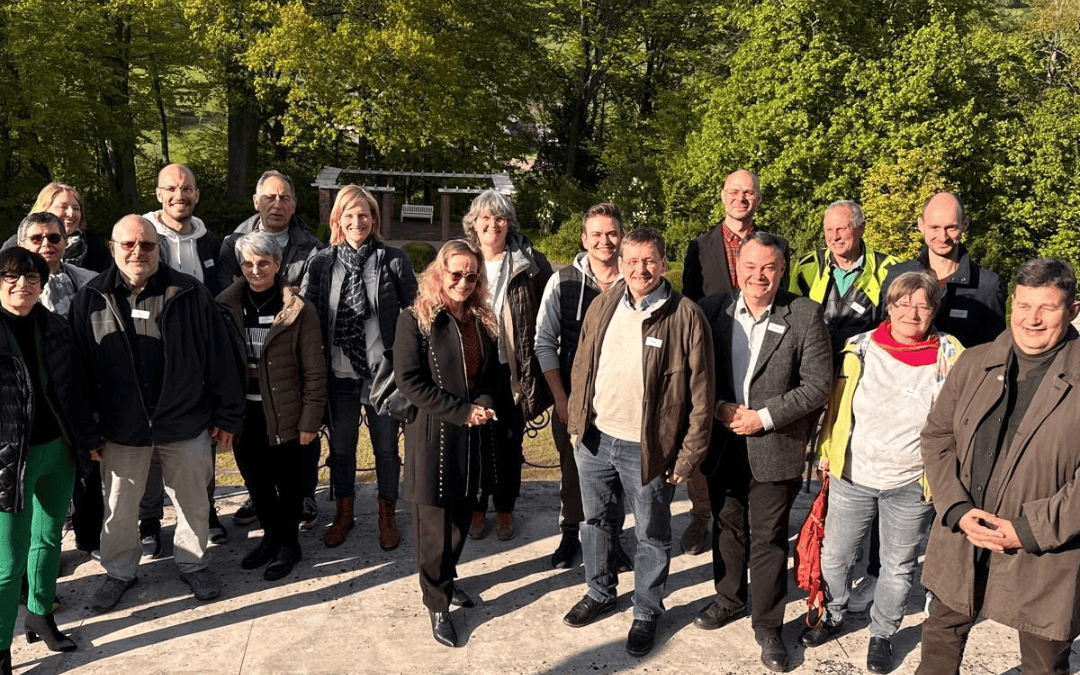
x=356, y=609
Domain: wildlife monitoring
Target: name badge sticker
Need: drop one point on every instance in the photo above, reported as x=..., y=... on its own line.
x=653, y=342
x=140, y=314
x=266, y=319
x=859, y=309
x=777, y=328
x=208, y=263
x=957, y=313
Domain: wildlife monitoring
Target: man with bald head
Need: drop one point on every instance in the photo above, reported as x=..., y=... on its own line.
x=972, y=306
x=709, y=268
x=187, y=244
x=163, y=382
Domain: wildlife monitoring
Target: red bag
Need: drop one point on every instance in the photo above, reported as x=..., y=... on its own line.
x=808, y=556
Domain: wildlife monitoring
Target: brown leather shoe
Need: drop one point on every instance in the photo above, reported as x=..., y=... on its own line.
x=504, y=526
x=343, y=522
x=389, y=537
x=478, y=528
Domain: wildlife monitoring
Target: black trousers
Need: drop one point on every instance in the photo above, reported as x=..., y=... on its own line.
x=945, y=634
x=440, y=535
x=738, y=500
x=88, y=504
x=273, y=475
x=502, y=457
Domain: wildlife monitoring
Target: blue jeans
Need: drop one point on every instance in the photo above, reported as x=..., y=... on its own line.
x=902, y=515
x=343, y=395
x=609, y=470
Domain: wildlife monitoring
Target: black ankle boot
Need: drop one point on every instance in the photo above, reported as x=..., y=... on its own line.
x=5, y=662
x=44, y=628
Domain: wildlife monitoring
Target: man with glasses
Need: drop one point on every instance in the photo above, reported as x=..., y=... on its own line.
x=163, y=383
x=641, y=408
x=187, y=245
x=709, y=267
x=44, y=234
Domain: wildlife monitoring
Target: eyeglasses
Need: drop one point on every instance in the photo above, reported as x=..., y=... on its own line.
x=487, y=218
x=52, y=237
x=185, y=190
x=905, y=307
x=745, y=194
x=144, y=246
x=262, y=265
x=649, y=263
x=469, y=277
x=32, y=278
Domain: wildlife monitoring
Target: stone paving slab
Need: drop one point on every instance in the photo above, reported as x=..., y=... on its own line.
x=357, y=610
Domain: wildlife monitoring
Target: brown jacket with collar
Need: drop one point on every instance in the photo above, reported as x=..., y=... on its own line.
x=680, y=374
x=1037, y=476
x=292, y=368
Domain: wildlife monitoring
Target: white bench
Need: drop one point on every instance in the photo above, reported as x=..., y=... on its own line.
x=418, y=211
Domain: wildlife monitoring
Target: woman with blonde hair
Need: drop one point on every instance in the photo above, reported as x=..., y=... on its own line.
x=358, y=285
x=84, y=248
x=446, y=364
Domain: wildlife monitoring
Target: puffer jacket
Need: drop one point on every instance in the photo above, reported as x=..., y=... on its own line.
x=680, y=381
x=292, y=369
x=64, y=393
x=529, y=273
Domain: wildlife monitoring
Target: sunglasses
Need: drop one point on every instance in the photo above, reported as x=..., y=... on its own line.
x=471, y=277
x=144, y=246
x=32, y=278
x=52, y=238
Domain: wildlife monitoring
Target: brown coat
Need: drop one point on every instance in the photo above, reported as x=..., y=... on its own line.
x=680, y=390
x=292, y=369
x=1038, y=477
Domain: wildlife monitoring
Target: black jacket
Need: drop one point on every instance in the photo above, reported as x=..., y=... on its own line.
x=972, y=306
x=442, y=457
x=65, y=397
x=202, y=386
x=397, y=289
x=529, y=273
x=293, y=259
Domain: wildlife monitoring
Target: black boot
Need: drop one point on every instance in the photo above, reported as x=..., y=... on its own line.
x=5, y=662
x=40, y=627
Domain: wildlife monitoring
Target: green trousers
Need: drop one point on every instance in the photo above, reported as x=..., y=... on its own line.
x=30, y=539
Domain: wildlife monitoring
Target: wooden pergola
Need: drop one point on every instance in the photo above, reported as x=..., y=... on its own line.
x=328, y=184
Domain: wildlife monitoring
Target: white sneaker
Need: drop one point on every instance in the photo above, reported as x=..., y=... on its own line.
x=862, y=595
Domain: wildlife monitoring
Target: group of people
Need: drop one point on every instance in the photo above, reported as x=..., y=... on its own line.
x=269, y=336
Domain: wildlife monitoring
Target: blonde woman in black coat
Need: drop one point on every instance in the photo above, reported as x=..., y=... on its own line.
x=446, y=363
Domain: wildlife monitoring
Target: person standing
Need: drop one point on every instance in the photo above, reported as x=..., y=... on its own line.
x=775, y=373
x=446, y=363
x=1002, y=462
x=641, y=409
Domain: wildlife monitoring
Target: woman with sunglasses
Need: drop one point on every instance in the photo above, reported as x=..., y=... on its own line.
x=42, y=411
x=358, y=285
x=277, y=337
x=516, y=274
x=446, y=364
x=44, y=234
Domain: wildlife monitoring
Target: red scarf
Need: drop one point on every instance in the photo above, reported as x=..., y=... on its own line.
x=919, y=354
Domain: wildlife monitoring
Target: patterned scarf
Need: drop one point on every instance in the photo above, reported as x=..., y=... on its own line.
x=353, y=307
x=919, y=354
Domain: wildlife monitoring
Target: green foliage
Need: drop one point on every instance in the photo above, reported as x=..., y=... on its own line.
x=421, y=254
x=893, y=193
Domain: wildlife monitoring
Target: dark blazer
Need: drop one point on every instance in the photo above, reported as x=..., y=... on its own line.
x=705, y=268
x=792, y=378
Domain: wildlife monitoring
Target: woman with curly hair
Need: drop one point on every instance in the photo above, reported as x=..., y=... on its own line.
x=446, y=364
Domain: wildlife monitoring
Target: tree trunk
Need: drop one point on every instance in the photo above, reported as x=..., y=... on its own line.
x=243, y=132
x=119, y=141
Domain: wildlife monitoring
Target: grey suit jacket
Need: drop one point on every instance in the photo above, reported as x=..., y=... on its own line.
x=792, y=378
